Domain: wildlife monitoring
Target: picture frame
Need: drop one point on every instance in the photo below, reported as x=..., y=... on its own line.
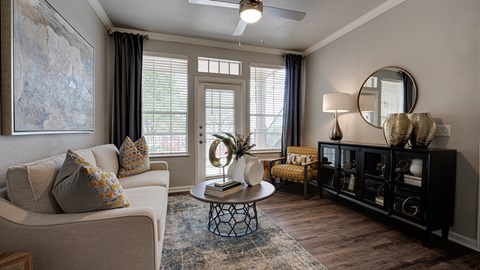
x=47, y=72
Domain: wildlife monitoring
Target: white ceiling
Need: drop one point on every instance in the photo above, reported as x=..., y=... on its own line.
x=178, y=17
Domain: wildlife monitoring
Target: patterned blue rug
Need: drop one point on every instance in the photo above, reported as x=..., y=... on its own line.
x=189, y=245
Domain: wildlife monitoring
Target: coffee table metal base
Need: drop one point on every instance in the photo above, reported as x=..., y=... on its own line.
x=232, y=219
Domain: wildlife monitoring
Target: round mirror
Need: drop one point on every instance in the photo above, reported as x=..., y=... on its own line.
x=387, y=90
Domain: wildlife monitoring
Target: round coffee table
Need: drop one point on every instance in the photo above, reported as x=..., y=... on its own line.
x=235, y=215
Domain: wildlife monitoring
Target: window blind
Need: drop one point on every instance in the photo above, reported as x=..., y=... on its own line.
x=164, y=108
x=392, y=97
x=267, y=88
x=219, y=117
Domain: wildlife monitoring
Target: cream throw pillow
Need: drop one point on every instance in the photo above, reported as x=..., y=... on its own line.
x=133, y=157
x=298, y=159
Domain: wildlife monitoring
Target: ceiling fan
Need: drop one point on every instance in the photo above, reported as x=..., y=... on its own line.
x=251, y=11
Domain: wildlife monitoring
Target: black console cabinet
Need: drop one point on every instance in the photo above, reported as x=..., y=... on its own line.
x=416, y=186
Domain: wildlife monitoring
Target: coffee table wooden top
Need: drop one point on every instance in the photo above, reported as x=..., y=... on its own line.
x=247, y=195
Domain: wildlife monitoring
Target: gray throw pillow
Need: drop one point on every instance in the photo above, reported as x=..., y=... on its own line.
x=88, y=188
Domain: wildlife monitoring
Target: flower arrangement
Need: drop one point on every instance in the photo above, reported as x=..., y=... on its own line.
x=240, y=144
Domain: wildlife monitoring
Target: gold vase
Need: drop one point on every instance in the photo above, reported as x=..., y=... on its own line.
x=423, y=129
x=397, y=129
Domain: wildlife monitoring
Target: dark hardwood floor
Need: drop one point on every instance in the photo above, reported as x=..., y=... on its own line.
x=343, y=236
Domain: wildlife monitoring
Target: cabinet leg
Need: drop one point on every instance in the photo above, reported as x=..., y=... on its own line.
x=445, y=233
x=426, y=238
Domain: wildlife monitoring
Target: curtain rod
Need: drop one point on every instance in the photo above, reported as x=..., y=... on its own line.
x=297, y=53
x=110, y=32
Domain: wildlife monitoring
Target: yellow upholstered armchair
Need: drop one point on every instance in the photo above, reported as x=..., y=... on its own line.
x=300, y=165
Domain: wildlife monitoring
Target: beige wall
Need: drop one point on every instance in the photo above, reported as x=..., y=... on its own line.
x=438, y=42
x=19, y=149
x=182, y=169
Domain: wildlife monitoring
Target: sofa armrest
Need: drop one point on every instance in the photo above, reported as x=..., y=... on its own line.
x=123, y=238
x=158, y=165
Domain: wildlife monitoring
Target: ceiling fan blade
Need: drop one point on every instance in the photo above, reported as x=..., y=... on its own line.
x=240, y=28
x=284, y=13
x=214, y=3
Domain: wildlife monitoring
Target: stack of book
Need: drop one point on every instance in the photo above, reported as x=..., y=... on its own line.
x=412, y=180
x=223, y=191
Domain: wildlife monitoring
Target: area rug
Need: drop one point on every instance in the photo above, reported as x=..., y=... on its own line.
x=189, y=245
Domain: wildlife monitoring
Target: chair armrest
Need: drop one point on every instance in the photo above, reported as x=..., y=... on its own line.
x=310, y=163
x=158, y=165
x=272, y=161
x=94, y=240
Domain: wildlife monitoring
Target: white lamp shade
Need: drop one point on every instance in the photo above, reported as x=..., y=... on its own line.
x=339, y=102
x=366, y=103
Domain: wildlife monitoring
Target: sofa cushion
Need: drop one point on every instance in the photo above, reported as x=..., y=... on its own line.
x=154, y=197
x=106, y=157
x=150, y=178
x=133, y=157
x=29, y=185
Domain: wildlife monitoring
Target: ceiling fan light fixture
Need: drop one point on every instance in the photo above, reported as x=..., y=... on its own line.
x=251, y=11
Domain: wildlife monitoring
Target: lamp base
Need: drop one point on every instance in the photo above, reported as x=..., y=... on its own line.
x=335, y=133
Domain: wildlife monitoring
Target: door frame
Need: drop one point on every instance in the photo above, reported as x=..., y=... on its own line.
x=200, y=81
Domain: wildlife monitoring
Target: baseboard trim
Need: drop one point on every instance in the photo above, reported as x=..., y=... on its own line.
x=179, y=189
x=461, y=240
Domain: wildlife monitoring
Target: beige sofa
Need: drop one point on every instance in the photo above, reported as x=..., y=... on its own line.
x=124, y=238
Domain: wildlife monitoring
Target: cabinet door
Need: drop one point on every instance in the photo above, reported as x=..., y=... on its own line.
x=348, y=174
x=328, y=166
x=408, y=184
x=376, y=177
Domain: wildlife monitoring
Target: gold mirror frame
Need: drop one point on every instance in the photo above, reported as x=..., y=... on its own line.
x=214, y=160
x=414, y=93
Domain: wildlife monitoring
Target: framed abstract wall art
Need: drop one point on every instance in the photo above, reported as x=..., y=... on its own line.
x=47, y=72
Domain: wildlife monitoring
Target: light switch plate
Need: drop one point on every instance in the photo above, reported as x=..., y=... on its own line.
x=443, y=131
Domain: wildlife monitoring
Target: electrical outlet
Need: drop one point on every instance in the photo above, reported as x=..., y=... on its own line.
x=443, y=131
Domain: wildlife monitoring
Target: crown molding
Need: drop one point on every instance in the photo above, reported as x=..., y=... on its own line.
x=380, y=9
x=207, y=42
x=97, y=7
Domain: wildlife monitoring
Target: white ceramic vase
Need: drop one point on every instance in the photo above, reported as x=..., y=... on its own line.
x=236, y=169
x=416, y=167
x=253, y=172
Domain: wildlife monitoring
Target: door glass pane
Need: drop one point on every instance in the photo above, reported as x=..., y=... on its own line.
x=374, y=191
x=219, y=117
x=348, y=158
x=347, y=182
x=328, y=156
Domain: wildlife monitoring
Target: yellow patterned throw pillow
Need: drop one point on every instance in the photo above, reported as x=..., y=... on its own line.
x=133, y=157
x=82, y=187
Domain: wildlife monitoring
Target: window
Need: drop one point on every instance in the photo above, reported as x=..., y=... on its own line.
x=267, y=88
x=391, y=97
x=165, y=98
x=219, y=66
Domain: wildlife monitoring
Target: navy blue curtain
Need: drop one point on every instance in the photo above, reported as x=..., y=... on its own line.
x=127, y=88
x=291, y=108
x=408, y=92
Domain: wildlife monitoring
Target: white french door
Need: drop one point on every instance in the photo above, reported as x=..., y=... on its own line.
x=220, y=107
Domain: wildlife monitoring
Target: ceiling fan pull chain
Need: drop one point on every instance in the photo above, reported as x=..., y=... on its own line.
x=261, y=41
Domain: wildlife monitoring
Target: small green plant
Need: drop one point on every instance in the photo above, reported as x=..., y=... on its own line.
x=240, y=144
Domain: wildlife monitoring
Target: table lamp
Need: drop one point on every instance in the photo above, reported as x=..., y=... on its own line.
x=336, y=103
